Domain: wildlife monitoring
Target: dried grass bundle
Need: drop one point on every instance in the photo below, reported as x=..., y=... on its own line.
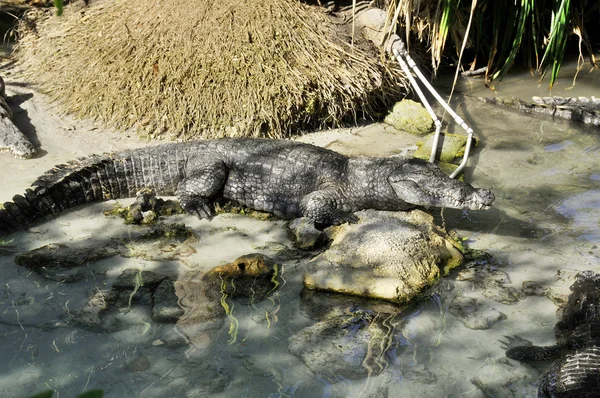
x=201, y=68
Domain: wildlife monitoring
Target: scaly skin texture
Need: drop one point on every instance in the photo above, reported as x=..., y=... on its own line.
x=576, y=369
x=286, y=178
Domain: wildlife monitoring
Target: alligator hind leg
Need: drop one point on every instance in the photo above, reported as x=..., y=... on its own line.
x=197, y=191
x=326, y=207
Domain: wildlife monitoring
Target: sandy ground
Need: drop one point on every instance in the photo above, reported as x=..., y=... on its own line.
x=545, y=177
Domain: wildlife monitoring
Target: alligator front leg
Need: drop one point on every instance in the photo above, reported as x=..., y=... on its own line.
x=327, y=207
x=200, y=187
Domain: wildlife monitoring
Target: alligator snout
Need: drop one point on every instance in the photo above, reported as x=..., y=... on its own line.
x=486, y=196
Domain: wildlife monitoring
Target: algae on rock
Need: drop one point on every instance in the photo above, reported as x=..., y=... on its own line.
x=410, y=116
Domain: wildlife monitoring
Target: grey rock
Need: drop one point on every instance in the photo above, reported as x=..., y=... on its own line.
x=387, y=255
x=492, y=282
x=165, y=308
x=63, y=263
x=306, y=236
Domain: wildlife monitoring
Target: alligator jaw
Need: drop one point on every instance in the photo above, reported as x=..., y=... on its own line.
x=477, y=199
x=424, y=184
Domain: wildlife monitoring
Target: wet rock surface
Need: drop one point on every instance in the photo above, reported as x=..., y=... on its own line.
x=65, y=263
x=305, y=235
x=386, y=255
x=146, y=209
x=60, y=262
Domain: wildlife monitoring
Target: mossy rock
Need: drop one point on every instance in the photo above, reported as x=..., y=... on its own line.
x=410, y=116
x=450, y=147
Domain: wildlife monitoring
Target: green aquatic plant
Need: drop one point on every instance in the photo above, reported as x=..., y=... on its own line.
x=233, y=322
x=138, y=282
x=502, y=32
x=557, y=40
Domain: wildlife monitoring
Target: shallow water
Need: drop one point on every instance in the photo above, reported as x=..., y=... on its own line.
x=543, y=227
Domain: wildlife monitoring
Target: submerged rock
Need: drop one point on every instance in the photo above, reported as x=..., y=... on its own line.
x=134, y=285
x=206, y=298
x=139, y=364
x=351, y=346
x=319, y=305
x=492, y=282
x=558, y=291
x=62, y=263
x=165, y=308
x=252, y=276
x=410, y=116
x=474, y=314
x=387, y=255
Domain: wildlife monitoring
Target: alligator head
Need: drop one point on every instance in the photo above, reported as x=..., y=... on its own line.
x=583, y=304
x=424, y=184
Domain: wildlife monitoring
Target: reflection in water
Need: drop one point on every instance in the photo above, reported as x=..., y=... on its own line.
x=558, y=146
x=584, y=212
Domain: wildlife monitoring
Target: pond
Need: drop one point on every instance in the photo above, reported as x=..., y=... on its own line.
x=543, y=228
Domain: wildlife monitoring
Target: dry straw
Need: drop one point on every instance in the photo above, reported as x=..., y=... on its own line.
x=203, y=68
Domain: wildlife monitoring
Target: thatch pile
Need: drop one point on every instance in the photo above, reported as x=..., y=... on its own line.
x=204, y=68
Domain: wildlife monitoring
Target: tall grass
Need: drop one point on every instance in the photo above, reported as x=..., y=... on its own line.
x=503, y=31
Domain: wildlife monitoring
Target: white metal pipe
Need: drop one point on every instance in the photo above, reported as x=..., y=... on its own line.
x=413, y=82
x=456, y=118
x=416, y=87
x=435, y=143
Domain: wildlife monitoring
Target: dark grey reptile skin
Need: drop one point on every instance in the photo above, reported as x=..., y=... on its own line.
x=576, y=368
x=286, y=178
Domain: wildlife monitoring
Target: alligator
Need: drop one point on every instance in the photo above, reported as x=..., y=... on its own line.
x=581, y=110
x=286, y=178
x=11, y=138
x=576, y=368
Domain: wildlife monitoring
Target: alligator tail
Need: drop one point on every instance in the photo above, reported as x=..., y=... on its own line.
x=90, y=179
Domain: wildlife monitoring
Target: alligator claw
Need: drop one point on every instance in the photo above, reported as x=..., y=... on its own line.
x=515, y=341
x=203, y=210
x=341, y=217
